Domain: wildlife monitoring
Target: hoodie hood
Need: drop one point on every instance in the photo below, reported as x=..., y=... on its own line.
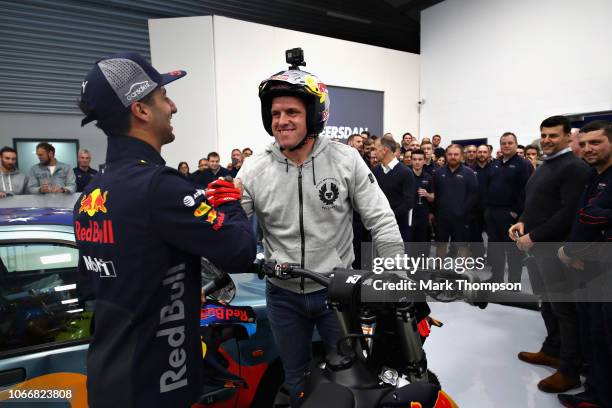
x=13, y=182
x=319, y=145
x=11, y=173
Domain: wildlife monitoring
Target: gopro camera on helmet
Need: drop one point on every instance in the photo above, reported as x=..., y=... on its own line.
x=295, y=58
x=301, y=84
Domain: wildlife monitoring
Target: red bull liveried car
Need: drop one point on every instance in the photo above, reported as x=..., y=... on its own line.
x=45, y=327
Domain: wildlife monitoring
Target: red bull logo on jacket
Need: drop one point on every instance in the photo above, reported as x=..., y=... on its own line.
x=94, y=232
x=94, y=202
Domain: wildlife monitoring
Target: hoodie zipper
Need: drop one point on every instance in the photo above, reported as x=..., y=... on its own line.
x=303, y=239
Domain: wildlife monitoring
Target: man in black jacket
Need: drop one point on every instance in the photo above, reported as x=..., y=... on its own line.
x=551, y=201
x=212, y=173
x=505, y=200
x=397, y=182
x=422, y=214
x=83, y=172
x=482, y=168
x=456, y=194
x=582, y=252
x=141, y=229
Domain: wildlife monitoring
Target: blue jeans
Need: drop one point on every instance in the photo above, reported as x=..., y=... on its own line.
x=293, y=317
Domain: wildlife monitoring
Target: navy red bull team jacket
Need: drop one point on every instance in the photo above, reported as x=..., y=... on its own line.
x=141, y=229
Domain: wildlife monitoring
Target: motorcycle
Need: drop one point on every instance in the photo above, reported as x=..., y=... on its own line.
x=239, y=360
x=362, y=372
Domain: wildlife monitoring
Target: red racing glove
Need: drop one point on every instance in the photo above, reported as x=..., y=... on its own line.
x=222, y=191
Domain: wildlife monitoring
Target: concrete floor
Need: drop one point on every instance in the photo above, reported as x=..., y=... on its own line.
x=475, y=356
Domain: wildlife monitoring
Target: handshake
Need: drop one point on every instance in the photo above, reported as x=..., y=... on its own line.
x=224, y=190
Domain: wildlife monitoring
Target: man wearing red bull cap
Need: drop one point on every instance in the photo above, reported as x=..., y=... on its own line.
x=141, y=229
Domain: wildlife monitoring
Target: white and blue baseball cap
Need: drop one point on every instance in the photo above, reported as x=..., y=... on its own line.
x=117, y=81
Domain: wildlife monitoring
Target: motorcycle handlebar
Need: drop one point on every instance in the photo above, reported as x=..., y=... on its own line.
x=216, y=284
x=287, y=270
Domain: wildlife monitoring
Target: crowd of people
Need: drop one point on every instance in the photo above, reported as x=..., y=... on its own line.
x=414, y=192
x=457, y=193
x=210, y=169
x=47, y=177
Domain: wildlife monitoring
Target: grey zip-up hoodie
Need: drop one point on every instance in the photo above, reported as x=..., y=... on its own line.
x=13, y=183
x=306, y=212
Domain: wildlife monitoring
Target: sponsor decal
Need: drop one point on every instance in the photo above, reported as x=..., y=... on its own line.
x=106, y=269
x=220, y=219
x=444, y=401
x=172, y=328
x=314, y=87
x=325, y=115
x=202, y=210
x=223, y=313
x=213, y=217
x=94, y=202
x=95, y=232
x=328, y=192
x=283, y=77
x=190, y=200
x=353, y=279
x=175, y=73
x=341, y=132
x=137, y=89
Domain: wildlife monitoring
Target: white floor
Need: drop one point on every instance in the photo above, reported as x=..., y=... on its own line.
x=475, y=356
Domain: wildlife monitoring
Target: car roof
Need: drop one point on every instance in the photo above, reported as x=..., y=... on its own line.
x=52, y=209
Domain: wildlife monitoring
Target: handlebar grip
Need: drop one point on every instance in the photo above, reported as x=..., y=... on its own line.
x=216, y=284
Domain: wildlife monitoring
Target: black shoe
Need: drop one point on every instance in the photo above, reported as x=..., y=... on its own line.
x=581, y=400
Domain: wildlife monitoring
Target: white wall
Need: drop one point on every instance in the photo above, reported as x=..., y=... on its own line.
x=488, y=66
x=187, y=44
x=246, y=53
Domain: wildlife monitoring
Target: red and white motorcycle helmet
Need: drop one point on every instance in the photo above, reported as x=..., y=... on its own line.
x=303, y=85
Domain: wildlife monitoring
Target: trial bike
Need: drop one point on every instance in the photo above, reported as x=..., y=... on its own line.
x=362, y=372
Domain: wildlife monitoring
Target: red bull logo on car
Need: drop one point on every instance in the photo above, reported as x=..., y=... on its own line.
x=94, y=202
x=224, y=313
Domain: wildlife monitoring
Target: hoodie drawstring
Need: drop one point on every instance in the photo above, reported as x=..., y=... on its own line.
x=287, y=164
x=314, y=180
x=10, y=189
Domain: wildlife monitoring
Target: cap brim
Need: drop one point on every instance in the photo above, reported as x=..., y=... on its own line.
x=172, y=76
x=87, y=119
